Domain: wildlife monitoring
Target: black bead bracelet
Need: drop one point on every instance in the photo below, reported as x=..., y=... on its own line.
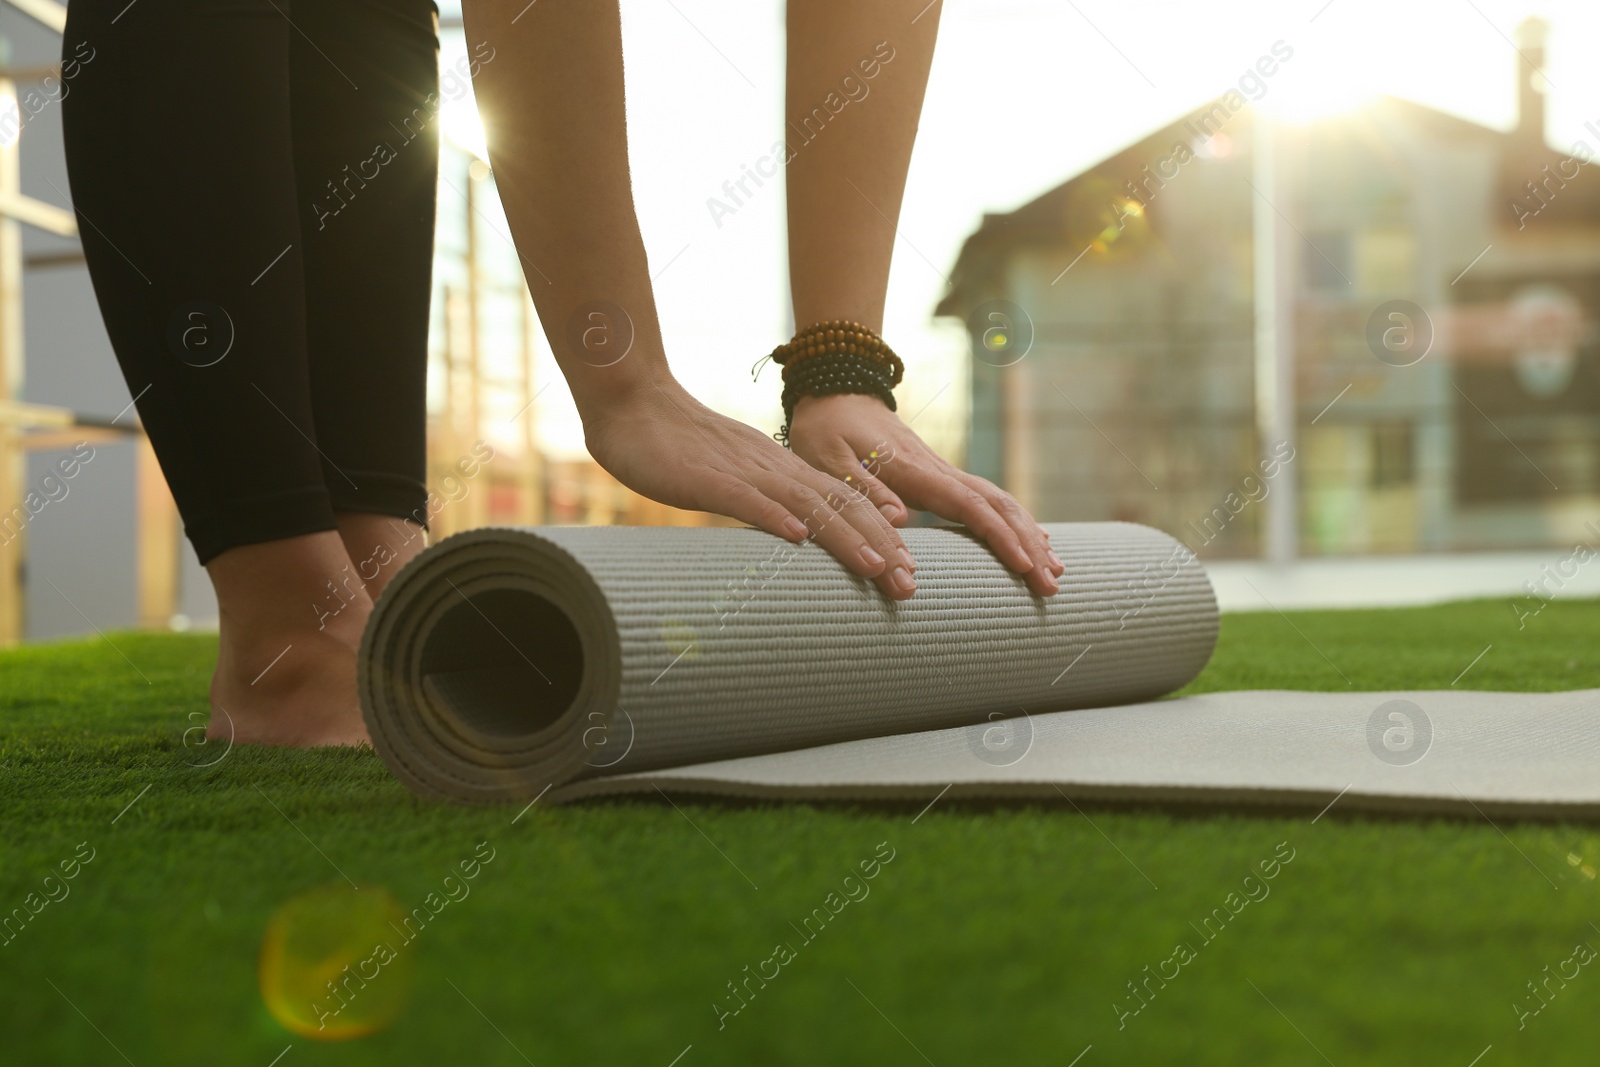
x=852, y=360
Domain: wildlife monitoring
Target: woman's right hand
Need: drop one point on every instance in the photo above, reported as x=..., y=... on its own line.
x=664, y=444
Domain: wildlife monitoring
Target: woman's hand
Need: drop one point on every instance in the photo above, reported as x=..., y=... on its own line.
x=662, y=443
x=859, y=440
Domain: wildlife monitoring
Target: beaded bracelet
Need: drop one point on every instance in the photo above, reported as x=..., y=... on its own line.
x=838, y=336
x=831, y=358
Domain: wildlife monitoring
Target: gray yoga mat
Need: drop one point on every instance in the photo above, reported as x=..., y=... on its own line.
x=1529, y=755
x=502, y=662
x=505, y=664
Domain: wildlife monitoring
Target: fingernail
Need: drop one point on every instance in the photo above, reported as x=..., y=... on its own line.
x=794, y=527
x=1055, y=561
x=911, y=564
x=871, y=557
x=903, y=581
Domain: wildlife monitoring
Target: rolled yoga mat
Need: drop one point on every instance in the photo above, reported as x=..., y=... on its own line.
x=503, y=662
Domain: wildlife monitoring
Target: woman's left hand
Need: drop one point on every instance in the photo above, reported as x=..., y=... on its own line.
x=858, y=440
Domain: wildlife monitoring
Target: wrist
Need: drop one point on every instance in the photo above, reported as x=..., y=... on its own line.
x=838, y=356
x=817, y=406
x=601, y=399
x=597, y=390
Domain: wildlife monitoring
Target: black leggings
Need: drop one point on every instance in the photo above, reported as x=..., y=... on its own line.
x=254, y=182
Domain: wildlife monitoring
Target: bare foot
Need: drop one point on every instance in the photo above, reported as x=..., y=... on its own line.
x=286, y=663
x=379, y=545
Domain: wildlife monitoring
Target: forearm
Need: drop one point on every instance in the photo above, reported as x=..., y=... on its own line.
x=552, y=103
x=847, y=173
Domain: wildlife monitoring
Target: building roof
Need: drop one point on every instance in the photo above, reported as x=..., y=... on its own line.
x=1071, y=213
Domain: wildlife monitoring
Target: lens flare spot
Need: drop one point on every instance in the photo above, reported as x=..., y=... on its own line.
x=333, y=964
x=680, y=638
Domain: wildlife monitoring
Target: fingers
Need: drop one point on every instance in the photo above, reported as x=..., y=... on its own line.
x=1047, y=565
x=846, y=524
x=993, y=515
x=744, y=502
x=865, y=492
x=873, y=510
x=882, y=497
x=854, y=525
x=842, y=463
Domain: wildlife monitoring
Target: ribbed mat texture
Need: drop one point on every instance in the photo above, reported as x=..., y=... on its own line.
x=503, y=662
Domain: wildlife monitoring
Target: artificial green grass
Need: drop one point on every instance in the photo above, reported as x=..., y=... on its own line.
x=604, y=933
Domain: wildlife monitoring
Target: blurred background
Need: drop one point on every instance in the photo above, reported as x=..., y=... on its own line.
x=1311, y=286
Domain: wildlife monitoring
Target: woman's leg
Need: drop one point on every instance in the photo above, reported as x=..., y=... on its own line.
x=178, y=149
x=856, y=77
x=367, y=168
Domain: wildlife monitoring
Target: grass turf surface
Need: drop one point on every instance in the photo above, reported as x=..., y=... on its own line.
x=604, y=933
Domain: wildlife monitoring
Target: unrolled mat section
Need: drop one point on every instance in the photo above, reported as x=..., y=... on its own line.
x=503, y=662
x=1472, y=754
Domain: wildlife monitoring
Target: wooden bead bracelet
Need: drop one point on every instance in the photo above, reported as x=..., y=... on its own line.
x=830, y=358
x=838, y=336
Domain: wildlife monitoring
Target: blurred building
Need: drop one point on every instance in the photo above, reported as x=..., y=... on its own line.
x=1402, y=300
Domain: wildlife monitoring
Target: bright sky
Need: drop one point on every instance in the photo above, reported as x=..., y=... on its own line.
x=1024, y=93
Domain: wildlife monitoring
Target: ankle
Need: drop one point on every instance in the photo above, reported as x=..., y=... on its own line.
x=379, y=546
x=300, y=694
x=291, y=615
x=276, y=592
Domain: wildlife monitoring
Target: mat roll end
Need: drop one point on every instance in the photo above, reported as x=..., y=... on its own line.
x=481, y=665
